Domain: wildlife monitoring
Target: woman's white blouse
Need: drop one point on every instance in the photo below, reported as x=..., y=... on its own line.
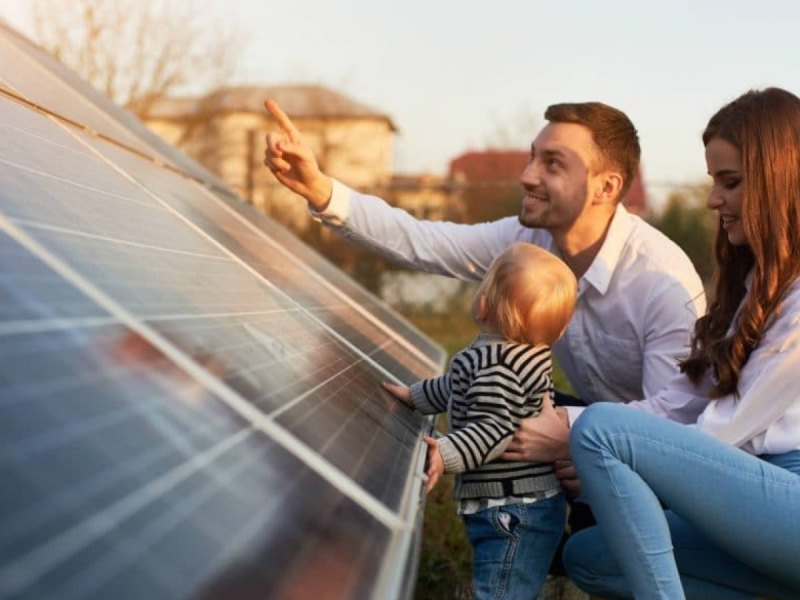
x=764, y=417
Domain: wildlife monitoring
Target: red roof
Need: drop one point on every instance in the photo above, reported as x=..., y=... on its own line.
x=636, y=199
x=490, y=165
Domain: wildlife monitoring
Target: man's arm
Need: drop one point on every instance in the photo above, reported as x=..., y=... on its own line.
x=462, y=251
x=444, y=248
x=670, y=311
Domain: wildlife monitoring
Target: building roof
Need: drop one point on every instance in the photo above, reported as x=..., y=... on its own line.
x=502, y=166
x=636, y=198
x=299, y=102
x=487, y=166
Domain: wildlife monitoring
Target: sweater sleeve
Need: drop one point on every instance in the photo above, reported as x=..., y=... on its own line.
x=495, y=405
x=452, y=249
x=430, y=396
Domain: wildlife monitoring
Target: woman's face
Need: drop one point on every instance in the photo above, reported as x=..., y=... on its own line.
x=725, y=167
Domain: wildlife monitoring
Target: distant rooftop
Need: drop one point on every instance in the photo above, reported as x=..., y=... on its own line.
x=489, y=165
x=299, y=102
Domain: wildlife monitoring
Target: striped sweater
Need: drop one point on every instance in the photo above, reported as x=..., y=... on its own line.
x=491, y=386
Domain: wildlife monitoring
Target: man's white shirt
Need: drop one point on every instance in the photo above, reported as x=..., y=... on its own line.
x=637, y=302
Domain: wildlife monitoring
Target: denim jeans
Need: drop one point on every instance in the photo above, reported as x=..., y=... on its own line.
x=513, y=546
x=731, y=530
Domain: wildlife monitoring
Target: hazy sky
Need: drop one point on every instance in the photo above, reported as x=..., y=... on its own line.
x=454, y=74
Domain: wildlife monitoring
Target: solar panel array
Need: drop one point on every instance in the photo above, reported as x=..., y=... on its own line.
x=189, y=397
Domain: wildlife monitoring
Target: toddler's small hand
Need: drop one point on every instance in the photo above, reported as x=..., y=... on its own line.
x=400, y=392
x=435, y=463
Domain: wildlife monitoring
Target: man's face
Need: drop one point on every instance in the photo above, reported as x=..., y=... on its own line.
x=556, y=181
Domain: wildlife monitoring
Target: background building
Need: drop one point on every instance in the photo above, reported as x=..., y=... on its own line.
x=225, y=132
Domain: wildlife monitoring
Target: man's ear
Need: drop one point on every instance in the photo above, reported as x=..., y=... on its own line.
x=609, y=187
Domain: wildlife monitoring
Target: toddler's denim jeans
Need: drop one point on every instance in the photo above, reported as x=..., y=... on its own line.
x=513, y=546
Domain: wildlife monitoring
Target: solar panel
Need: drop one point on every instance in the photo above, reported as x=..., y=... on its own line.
x=189, y=396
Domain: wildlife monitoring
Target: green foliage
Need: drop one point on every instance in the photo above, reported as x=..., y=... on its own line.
x=686, y=220
x=445, y=567
x=453, y=329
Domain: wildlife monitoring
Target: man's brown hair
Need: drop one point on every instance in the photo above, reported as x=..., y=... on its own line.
x=612, y=131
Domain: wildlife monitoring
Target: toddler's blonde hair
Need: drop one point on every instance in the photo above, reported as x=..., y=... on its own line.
x=530, y=294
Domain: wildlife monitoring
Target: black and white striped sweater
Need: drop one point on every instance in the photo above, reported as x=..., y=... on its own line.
x=491, y=386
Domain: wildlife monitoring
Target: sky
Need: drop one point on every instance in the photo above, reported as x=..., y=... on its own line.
x=468, y=74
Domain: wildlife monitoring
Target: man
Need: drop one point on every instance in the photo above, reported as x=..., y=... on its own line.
x=638, y=293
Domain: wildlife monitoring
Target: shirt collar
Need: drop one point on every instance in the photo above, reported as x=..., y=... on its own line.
x=599, y=273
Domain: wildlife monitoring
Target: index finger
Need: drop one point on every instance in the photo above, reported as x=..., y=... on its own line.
x=283, y=119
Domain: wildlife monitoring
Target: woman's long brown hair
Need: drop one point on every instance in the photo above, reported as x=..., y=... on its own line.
x=765, y=127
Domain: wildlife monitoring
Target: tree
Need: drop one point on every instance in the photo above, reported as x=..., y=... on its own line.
x=136, y=51
x=686, y=220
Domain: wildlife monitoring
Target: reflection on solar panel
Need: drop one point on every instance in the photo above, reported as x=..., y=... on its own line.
x=189, y=397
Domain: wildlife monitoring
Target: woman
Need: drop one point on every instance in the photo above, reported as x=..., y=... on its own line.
x=730, y=481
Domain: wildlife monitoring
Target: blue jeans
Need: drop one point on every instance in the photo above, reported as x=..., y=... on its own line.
x=732, y=530
x=513, y=546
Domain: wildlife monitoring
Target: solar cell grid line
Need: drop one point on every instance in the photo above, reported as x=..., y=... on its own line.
x=4, y=536
x=184, y=435
x=118, y=278
x=225, y=247
x=246, y=381
x=325, y=468
x=361, y=297
x=107, y=566
x=27, y=207
x=4, y=422
x=407, y=366
x=27, y=569
x=413, y=348
x=327, y=273
x=47, y=85
x=373, y=384
x=386, y=313
x=18, y=220
x=30, y=79
x=237, y=234
x=41, y=129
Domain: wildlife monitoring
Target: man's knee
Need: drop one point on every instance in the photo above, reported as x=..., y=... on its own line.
x=578, y=556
